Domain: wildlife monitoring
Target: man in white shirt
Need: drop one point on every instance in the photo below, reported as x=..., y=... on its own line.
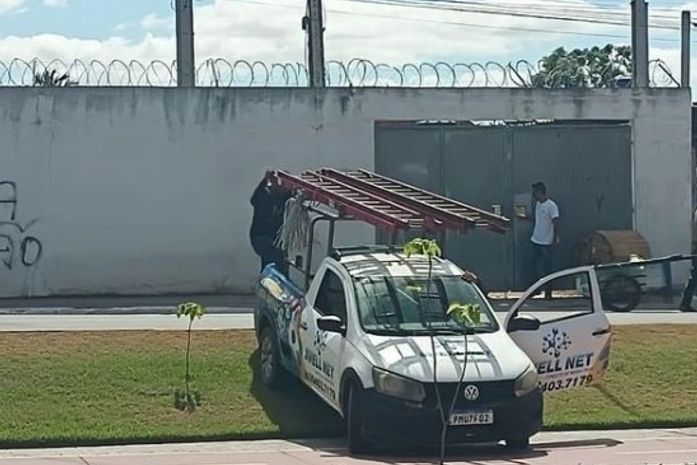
x=545, y=235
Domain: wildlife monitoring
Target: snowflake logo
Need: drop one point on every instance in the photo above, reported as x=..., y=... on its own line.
x=320, y=342
x=555, y=342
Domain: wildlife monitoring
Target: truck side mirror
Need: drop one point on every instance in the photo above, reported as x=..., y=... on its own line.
x=523, y=323
x=331, y=324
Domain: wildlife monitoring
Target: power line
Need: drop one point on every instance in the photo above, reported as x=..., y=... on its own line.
x=512, y=13
x=603, y=10
x=460, y=23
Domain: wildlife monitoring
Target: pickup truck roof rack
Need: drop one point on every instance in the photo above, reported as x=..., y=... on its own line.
x=339, y=252
x=387, y=203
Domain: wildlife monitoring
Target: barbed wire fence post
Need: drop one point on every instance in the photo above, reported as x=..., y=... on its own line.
x=313, y=24
x=184, y=16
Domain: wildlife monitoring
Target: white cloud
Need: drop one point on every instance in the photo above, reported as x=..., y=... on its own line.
x=270, y=31
x=238, y=29
x=56, y=3
x=10, y=5
x=152, y=22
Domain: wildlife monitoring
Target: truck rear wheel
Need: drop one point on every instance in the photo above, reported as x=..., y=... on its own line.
x=269, y=364
x=354, y=420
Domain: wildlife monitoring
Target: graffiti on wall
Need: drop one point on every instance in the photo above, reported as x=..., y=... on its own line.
x=17, y=247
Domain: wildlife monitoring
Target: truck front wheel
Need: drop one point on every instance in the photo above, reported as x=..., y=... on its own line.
x=354, y=420
x=518, y=443
x=269, y=366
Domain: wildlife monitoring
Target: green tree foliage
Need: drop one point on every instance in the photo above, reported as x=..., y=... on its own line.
x=51, y=78
x=588, y=67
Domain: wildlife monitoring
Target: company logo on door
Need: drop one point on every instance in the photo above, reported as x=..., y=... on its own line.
x=320, y=342
x=555, y=343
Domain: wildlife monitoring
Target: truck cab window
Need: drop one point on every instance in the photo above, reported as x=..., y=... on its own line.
x=571, y=296
x=331, y=298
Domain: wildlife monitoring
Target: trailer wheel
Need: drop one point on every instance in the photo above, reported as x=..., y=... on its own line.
x=621, y=293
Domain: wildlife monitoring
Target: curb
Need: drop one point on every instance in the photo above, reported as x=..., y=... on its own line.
x=155, y=310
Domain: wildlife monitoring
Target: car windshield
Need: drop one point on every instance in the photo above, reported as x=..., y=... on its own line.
x=411, y=305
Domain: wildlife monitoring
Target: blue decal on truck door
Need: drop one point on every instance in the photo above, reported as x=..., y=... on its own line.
x=284, y=302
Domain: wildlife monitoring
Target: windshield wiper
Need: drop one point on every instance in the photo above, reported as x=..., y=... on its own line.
x=390, y=332
x=454, y=332
x=386, y=331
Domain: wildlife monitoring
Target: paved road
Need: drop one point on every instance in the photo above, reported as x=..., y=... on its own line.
x=121, y=322
x=638, y=447
x=241, y=319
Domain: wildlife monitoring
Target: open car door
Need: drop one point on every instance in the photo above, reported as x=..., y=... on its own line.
x=566, y=335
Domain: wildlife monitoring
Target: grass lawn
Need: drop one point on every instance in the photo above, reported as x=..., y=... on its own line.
x=89, y=388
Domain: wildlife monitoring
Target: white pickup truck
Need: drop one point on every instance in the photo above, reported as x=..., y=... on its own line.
x=360, y=340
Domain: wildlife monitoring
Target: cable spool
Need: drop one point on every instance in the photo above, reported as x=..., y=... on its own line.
x=600, y=247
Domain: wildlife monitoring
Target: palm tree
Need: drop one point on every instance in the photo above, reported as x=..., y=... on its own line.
x=53, y=79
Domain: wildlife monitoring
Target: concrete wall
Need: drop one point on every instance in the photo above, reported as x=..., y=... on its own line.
x=145, y=190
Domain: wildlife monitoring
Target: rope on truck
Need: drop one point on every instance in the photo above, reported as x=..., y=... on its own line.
x=293, y=233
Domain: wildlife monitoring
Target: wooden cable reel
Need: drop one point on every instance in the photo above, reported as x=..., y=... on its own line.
x=600, y=247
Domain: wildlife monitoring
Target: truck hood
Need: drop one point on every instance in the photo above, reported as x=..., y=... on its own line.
x=490, y=356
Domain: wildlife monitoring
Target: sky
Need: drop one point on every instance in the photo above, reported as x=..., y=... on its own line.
x=270, y=30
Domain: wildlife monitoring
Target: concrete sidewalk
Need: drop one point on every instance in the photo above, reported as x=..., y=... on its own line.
x=136, y=304
x=629, y=447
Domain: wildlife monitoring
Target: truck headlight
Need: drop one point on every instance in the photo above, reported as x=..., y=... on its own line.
x=397, y=386
x=527, y=382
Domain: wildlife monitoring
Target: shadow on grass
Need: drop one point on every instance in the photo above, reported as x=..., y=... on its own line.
x=618, y=402
x=296, y=410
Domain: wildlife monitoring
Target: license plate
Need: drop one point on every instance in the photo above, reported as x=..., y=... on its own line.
x=472, y=418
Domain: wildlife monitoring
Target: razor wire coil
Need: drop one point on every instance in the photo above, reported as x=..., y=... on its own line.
x=357, y=72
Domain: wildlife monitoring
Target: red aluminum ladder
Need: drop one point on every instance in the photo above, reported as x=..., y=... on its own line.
x=387, y=203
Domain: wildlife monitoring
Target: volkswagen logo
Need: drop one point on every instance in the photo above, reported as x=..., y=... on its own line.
x=471, y=392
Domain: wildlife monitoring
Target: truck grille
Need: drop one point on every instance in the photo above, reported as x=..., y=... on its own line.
x=489, y=392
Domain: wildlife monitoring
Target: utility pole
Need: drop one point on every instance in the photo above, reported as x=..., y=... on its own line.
x=640, y=43
x=184, y=14
x=685, y=49
x=313, y=23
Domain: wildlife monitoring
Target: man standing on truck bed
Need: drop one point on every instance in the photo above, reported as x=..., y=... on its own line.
x=545, y=234
x=269, y=204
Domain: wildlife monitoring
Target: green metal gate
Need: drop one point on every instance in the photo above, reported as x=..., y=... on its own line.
x=587, y=167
